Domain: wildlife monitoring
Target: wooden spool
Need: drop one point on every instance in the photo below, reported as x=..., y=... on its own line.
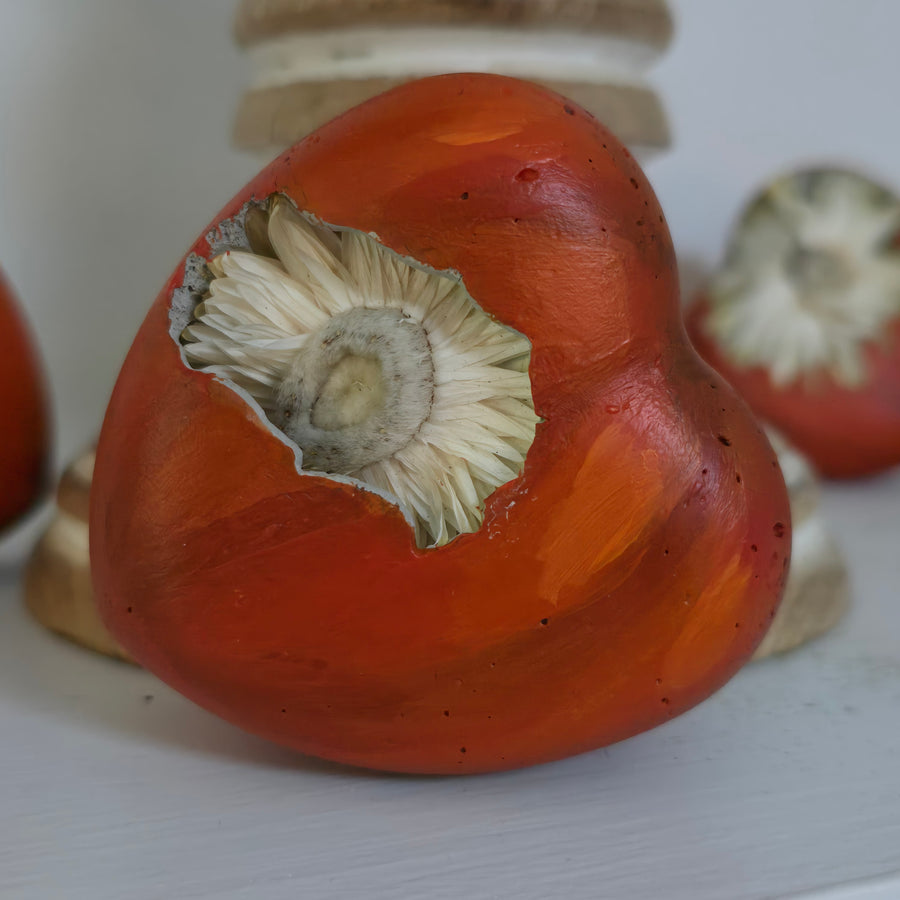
x=314, y=59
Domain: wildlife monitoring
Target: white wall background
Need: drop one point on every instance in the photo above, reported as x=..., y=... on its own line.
x=115, y=118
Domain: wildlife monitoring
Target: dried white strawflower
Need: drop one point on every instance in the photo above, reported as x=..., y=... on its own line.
x=811, y=275
x=376, y=368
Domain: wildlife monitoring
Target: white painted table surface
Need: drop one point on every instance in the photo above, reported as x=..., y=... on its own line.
x=786, y=781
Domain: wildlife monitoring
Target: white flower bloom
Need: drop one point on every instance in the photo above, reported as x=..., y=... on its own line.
x=375, y=368
x=812, y=274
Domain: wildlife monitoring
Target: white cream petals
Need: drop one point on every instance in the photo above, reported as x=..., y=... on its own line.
x=259, y=313
x=763, y=315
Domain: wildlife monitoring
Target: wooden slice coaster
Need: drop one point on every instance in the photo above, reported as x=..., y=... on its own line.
x=58, y=590
x=818, y=589
x=817, y=593
x=314, y=59
x=645, y=20
x=276, y=117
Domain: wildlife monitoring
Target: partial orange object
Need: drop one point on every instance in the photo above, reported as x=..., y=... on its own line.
x=626, y=573
x=847, y=432
x=24, y=430
x=803, y=317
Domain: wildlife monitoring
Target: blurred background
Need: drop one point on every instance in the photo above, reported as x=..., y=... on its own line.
x=116, y=118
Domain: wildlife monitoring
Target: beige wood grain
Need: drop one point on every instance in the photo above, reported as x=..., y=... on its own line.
x=645, y=20
x=817, y=593
x=280, y=116
x=815, y=600
x=58, y=590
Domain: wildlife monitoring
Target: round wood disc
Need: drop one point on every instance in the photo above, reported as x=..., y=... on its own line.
x=58, y=590
x=817, y=593
x=648, y=21
x=315, y=59
x=276, y=117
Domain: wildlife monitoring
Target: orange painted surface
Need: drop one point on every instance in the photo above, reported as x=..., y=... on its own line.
x=24, y=430
x=624, y=576
x=846, y=432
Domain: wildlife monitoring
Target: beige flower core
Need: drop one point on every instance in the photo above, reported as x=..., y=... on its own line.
x=811, y=275
x=375, y=368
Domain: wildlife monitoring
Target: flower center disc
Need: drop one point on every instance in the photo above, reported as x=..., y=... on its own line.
x=815, y=269
x=358, y=391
